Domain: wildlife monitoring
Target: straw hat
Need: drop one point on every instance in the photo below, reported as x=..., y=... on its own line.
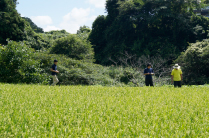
x=176, y=66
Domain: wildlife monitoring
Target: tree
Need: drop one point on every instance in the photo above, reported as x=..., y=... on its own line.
x=33, y=25
x=97, y=39
x=112, y=10
x=11, y=24
x=83, y=32
x=84, y=29
x=134, y=68
x=147, y=27
x=73, y=47
x=33, y=39
x=18, y=66
x=194, y=62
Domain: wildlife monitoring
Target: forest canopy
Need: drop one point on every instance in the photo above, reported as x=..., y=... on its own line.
x=147, y=27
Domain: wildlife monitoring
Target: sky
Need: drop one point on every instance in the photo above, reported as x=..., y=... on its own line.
x=61, y=14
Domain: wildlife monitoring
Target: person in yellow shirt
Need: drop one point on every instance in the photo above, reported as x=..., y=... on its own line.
x=176, y=76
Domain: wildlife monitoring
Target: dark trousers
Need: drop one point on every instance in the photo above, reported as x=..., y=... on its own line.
x=177, y=83
x=149, y=82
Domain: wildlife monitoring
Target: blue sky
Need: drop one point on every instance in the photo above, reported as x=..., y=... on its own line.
x=61, y=14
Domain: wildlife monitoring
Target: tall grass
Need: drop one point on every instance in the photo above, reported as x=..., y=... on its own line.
x=95, y=111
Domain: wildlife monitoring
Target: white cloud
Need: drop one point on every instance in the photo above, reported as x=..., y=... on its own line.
x=93, y=18
x=41, y=20
x=50, y=28
x=98, y=3
x=76, y=18
x=71, y=22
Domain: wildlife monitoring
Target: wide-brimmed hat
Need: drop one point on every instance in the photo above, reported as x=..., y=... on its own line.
x=176, y=66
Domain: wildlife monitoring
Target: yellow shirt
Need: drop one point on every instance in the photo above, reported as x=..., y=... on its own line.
x=176, y=74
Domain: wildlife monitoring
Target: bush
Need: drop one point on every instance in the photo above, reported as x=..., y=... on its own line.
x=17, y=65
x=194, y=63
x=35, y=40
x=21, y=64
x=75, y=72
x=42, y=41
x=73, y=47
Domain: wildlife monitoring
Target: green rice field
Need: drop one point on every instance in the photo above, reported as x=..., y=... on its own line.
x=96, y=111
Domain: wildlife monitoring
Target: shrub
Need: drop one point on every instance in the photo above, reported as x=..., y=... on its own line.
x=21, y=64
x=17, y=65
x=194, y=63
x=74, y=47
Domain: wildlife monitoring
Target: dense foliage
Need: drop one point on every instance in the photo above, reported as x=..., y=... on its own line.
x=84, y=29
x=18, y=66
x=12, y=26
x=131, y=29
x=35, y=40
x=195, y=65
x=33, y=25
x=73, y=47
x=21, y=64
x=76, y=72
x=47, y=39
x=42, y=41
x=145, y=27
x=84, y=32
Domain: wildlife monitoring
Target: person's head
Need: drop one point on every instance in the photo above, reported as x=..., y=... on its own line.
x=149, y=65
x=176, y=66
x=55, y=62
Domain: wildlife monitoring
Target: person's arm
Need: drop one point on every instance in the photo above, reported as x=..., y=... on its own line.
x=145, y=73
x=172, y=79
x=54, y=70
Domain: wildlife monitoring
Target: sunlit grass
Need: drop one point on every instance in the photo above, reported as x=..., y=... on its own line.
x=78, y=111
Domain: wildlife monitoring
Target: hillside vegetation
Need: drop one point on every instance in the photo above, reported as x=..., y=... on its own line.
x=114, y=51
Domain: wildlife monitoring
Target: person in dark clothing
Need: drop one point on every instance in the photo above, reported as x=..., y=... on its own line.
x=54, y=73
x=148, y=72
